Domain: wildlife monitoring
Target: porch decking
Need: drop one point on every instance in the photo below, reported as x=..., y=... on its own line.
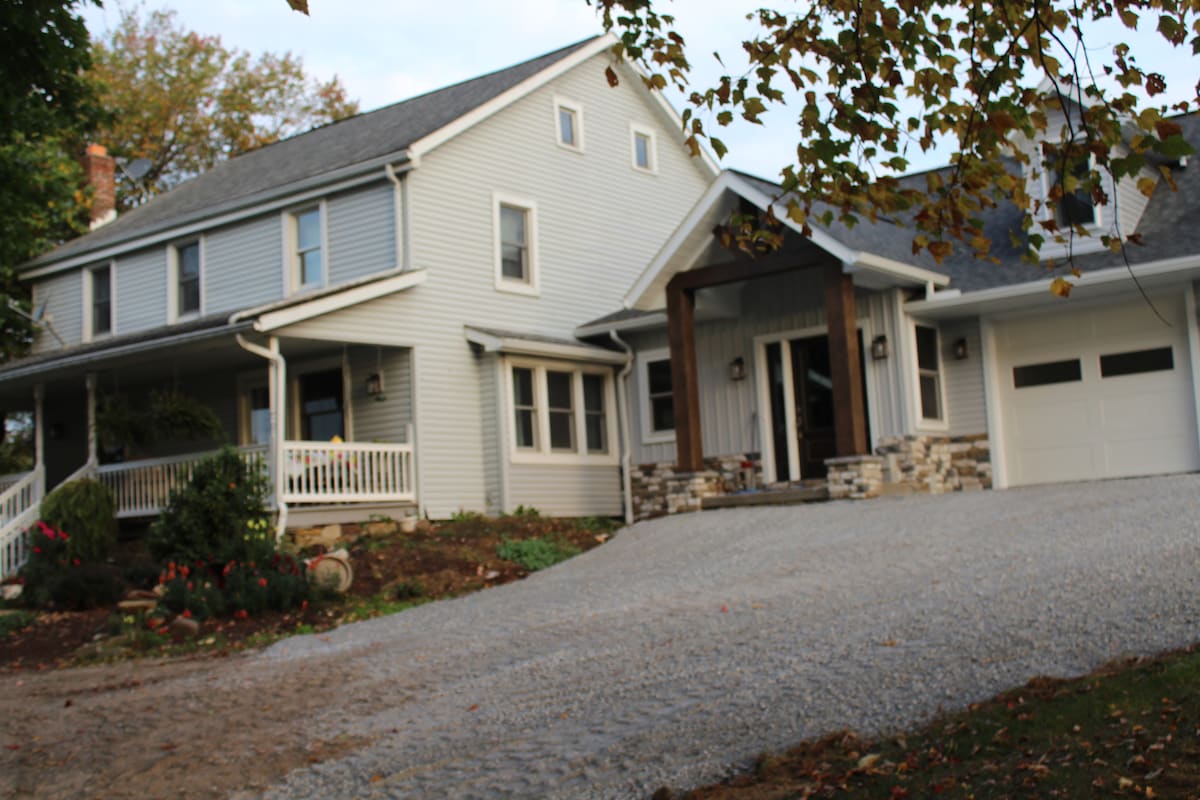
x=313, y=472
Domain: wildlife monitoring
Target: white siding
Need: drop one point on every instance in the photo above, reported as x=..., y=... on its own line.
x=381, y=420
x=966, y=406
x=63, y=296
x=243, y=265
x=141, y=299
x=566, y=492
x=362, y=238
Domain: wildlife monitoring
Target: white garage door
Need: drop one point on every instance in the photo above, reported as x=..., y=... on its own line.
x=1099, y=392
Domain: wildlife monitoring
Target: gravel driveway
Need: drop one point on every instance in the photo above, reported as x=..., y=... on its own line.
x=682, y=647
x=695, y=642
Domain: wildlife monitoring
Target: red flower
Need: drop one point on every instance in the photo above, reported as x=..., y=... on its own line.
x=189, y=586
x=240, y=614
x=153, y=622
x=184, y=571
x=187, y=613
x=37, y=549
x=303, y=605
x=63, y=535
x=262, y=581
x=76, y=561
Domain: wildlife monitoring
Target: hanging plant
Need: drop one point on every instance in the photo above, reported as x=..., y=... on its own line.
x=169, y=415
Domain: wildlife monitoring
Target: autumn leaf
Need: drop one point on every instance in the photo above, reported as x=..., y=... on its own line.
x=1060, y=287
x=299, y=5
x=610, y=75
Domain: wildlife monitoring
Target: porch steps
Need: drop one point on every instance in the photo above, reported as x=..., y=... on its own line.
x=768, y=497
x=344, y=513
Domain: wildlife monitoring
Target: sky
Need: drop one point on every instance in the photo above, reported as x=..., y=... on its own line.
x=388, y=50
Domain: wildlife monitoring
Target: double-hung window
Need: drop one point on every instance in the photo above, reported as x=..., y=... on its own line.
x=929, y=378
x=560, y=411
x=99, y=303
x=657, y=396
x=516, y=245
x=307, y=248
x=186, y=279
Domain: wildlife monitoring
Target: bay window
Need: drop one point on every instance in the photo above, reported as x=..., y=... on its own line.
x=560, y=411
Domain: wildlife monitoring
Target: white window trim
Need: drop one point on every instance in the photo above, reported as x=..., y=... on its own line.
x=532, y=286
x=88, y=282
x=636, y=130
x=649, y=435
x=576, y=109
x=291, y=260
x=323, y=364
x=921, y=421
x=1039, y=187
x=173, y=315
x=543, y=454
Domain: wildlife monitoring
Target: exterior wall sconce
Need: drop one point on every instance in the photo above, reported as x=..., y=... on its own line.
x=960, y=349
x=879, y=348
x=375, y=385
x=737, y=369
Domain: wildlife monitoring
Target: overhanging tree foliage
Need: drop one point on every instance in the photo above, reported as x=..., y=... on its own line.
x=184, y=101
x=880, y=79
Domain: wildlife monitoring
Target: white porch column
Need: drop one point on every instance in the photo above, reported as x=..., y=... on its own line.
x=93, y=457
x=277, y=388
x=39, y=436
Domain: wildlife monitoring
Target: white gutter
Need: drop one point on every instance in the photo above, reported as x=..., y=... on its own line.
x=514, y=346
x=626, y=447
x=278, y=422
x=657, y=319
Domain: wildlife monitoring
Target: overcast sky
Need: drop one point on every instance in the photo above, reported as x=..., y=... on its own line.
x=388, y=50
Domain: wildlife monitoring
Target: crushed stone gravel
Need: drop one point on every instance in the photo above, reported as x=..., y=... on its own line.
x=687, y=645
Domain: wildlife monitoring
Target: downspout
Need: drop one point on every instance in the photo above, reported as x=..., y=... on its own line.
x=626, y=448
x=402, y=213
x=278, y=420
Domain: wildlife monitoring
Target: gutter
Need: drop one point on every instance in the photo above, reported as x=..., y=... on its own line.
x=626, y=447
x=278, y=421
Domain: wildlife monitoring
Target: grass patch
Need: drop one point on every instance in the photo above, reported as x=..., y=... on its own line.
x=537, y=553
x=1128, y=730
x=13, y=621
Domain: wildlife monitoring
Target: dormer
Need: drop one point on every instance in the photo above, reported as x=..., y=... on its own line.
x=1072, y=220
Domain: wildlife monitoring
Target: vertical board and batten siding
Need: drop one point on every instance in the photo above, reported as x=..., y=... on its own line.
x=566, y=491
x=599, y=222
x=141, y=296
x=243, y=265
x=380, y=420
x=966, y=403
x=362, y=233
x=63, y=295
x=729, y=410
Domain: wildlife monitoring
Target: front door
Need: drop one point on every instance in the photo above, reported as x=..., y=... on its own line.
x=800, y=388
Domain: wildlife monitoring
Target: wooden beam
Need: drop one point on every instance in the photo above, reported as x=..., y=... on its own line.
x=685, y=389
x=849, y=419
x=745, y=269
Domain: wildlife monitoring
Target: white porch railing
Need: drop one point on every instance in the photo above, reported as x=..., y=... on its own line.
x=18, y=510
x=347, y=472
x=8, y=481
x=143, y=488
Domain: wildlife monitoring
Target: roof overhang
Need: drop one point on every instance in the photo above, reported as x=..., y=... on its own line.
x=656, y=319
x=280, y=315
x=1031, y=295
x=514, y=344
x=687, y=244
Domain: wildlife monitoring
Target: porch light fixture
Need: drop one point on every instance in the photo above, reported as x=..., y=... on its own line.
x=375, y=385
x=879, y=348
x=737, y=369
x=960, y=349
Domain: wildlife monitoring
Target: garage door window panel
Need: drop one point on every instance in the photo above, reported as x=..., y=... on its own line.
x=1047, y=373
x=1136, y=362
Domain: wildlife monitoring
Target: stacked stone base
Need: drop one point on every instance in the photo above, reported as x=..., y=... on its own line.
x=938, y=464
x=854, y=477
x=658, y=489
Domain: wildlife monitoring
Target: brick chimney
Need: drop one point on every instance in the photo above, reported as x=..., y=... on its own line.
x=99, y=171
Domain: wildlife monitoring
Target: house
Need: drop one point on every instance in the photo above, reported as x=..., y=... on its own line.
x=357, y=304
x=846, y=359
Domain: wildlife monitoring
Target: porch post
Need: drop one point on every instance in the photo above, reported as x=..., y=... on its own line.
x=93, y=457
x=681, y=332
x=277, y=388
x=850, y=428
x=39, y=435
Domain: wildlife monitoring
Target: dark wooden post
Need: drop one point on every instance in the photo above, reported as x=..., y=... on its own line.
x=681, y=332
x=850, y=426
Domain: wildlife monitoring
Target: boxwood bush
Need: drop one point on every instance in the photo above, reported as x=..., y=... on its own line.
x=84, y=509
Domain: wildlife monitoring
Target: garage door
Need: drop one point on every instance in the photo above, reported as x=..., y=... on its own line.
x=1099, y=392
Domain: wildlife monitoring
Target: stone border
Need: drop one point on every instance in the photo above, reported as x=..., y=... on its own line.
x=658, y=490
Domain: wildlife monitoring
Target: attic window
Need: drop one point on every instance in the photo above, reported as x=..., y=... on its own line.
x=1075, y=208
x=645, y=156
x=568, y=121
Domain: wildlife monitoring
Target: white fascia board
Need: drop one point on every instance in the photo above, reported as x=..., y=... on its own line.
x=254, y=205
x=534, y=82
x=655, y=320
x=492, y=343
x=1004, y=298
x=906, y=274
x=271, y=321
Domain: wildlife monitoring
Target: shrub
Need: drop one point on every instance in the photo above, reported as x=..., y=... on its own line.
x=535, y=554
x=89, y=585
x=408, y=590
x=220, y=516
x=85, y=508
x=206, y=589
x=52, y=577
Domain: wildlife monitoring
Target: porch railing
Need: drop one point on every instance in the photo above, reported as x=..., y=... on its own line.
x=143, y=488
x=18, y=510
x=342, y=472
x=8, y=481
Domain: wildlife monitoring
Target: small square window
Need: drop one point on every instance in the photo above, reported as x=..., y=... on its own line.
x=568, y=124
x=645, y=157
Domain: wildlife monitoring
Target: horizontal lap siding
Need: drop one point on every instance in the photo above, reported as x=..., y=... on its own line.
x=63, y=296
x=966, y=406
x=381, y=420
x=243, y=265
x=361, y=228
x=493, y=447
x=566, y=490
x=142, y=290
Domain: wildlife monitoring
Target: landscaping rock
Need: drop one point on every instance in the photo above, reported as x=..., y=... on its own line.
x=141, y=594
x=381, y=528
x=325, y=537
x=183, y=628
x=11, y=591
x=133, y=606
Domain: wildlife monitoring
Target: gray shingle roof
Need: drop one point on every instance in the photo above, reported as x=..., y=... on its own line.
x=359, y=139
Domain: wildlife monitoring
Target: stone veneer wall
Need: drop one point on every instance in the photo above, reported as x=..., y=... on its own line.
x=659, y=490
x=938, y=464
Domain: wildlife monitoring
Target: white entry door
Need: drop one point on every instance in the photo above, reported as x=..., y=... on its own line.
x=1097, y=392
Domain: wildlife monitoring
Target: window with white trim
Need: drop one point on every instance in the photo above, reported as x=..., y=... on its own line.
x=929, y=377
x=515, y=223
x=568, y=124
x=560, y=411
x=657, y=395
x=644, y=152
x=185, y=280
x=306, y=248
x=98, y=303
